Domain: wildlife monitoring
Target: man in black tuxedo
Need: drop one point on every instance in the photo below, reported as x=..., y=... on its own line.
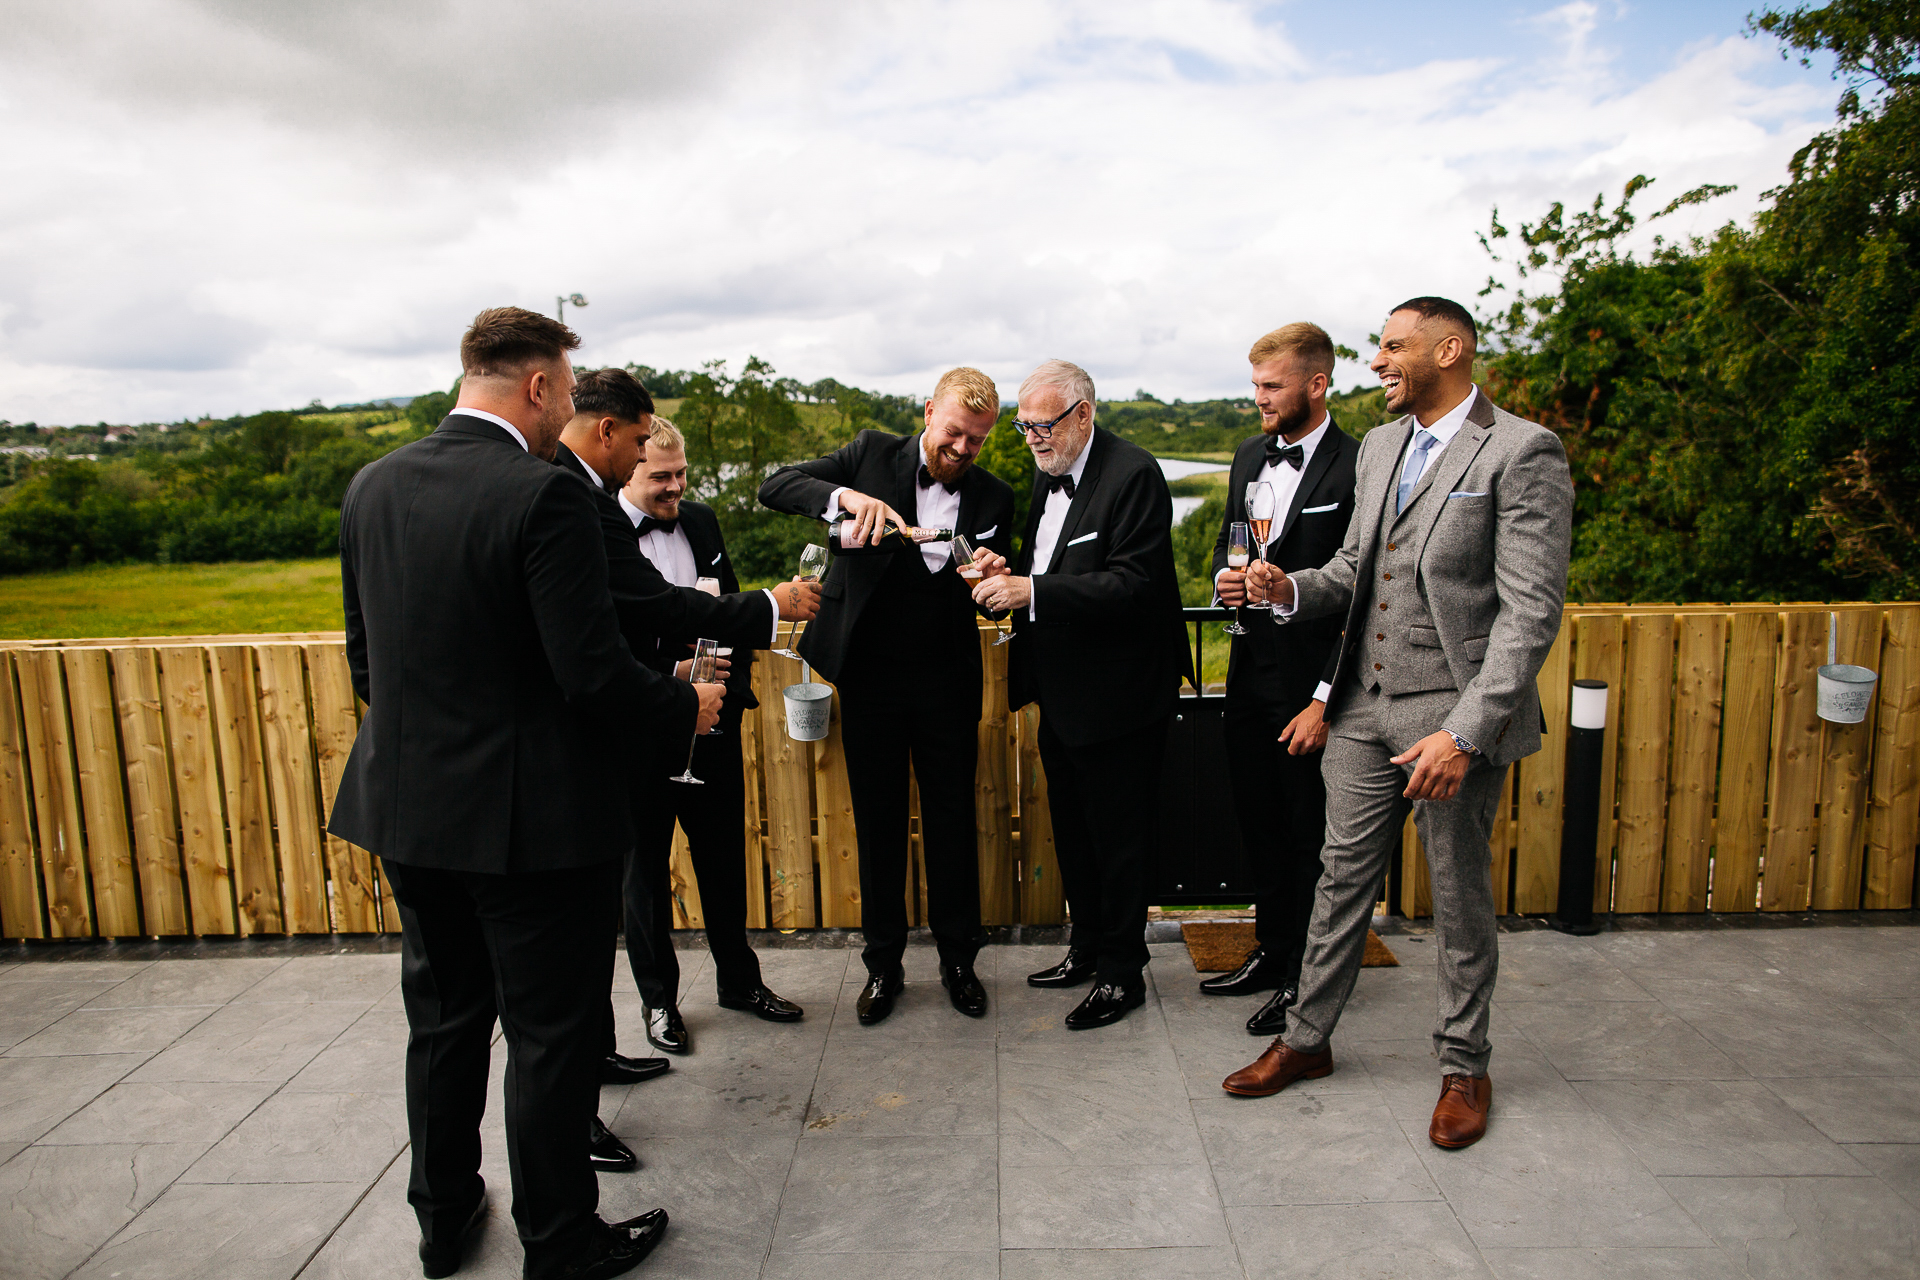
x=1277, y=676
x=681, y=539
x=900, y=638
x=482, y=638
x=602, y=446
x=1100, y=644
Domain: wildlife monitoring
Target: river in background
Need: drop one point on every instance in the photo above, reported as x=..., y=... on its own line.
x=1175, y=469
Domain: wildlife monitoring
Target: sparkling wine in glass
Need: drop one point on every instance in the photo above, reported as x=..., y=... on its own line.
x=813, y=565
x=702, y=672
x=1237, y=535
x=1260, y=509
x=963, y=564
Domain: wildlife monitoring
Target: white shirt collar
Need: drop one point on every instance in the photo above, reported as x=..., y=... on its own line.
x=634, y=514
x=498, y=421
x=1452, y=420
x=593, y=477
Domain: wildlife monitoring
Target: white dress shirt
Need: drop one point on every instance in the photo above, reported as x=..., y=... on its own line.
x=1285, y=479
x=672, y=555
x=498, y=421
x=1442, y=431
x=934, y=508
x=1053, y=518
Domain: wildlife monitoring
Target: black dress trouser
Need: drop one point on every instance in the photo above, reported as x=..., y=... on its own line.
x=714, y=816
x=1105, y=802
x=1281, y=802
x=533, y=951
x=883, y=733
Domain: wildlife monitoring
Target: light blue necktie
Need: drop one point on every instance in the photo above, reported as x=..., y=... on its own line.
x=1423, y=440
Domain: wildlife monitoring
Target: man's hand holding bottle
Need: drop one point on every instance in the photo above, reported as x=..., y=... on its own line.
x=869, y=516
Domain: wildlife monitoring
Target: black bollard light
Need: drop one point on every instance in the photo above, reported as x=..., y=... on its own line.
x=1580, y=819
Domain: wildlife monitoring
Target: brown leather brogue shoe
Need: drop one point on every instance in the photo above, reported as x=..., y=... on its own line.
x=1277, y=1068
x=1460, y=1117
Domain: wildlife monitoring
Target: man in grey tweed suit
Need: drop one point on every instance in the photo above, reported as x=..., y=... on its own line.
x=1451, y=579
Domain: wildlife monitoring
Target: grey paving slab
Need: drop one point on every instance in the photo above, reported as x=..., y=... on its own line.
x=59, y=1204
x=8, y=1150
x=309, y=1137
x=1092, y=1112
x=175, y=1112
x=1777, y=1228
x=1210, y=1041
x=1554, y=1180
x=911, y=1194
x=1845, y=963
x=1110, y=1207
x=1338, y=1149
x=368, y=1057
x=378, y=1241
x=1896, y=1020
x=101, y=972
x=1714, y=1128
x=27, y=1008
x=905, y=1087
x=252, y=1042
x=1619, y=1040
x=1552, y=966
x=882, y=1266
x=1781, y=1027
x=722, y=1196
x=203, y=980
x=258, y=1231
x=923, y=1010
x=1407, y=1074
x=1219, y=1263
x=138, y=1030
x=357, y=980
x=1895, y=1163
x=1702, y=956
x=1388, y=1004
x=1857, y=1109
x=1612, y=1264
x=1354, y=1242
x=38, y=1093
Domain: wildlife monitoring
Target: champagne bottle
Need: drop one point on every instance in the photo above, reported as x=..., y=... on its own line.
x=891, y=538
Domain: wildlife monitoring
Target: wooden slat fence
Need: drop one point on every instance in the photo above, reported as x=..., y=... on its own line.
x=157, y=787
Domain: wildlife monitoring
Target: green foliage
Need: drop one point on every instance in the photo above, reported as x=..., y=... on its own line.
x=173, y=599
x=1193, y=540
x=1006, y=455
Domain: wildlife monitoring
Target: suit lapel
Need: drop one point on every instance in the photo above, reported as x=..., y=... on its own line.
x=1446, y=473
x=1383, y=493
x=1036, y=507
x=705, y=548
x=906, y=479
x=1082, y=497
x=1317, y=465
x=969, y=503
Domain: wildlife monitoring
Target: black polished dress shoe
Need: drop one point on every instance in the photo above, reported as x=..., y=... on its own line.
x=607, y=1153
x=964, y=989
x=1258, y=972
x=614, y=1248
x=876, y=998
x=1272, y=1018
x=1070, y=972
x=619, y=1069
x=1105, y=1005
x=443, y=1258
x=762, y=1003
x=666, y=1032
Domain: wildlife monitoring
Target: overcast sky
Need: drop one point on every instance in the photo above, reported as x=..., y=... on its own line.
x=221, y=206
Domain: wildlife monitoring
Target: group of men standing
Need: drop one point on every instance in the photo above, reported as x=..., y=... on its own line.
x=522, y=588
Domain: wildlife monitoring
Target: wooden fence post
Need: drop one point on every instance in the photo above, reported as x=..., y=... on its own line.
x=103, y=802
x=1646, y=722
x=1745, y=755
x=23, y=911
x=1793, y=788
x=1700, y=676
x=1893, y=818
x=56, y=796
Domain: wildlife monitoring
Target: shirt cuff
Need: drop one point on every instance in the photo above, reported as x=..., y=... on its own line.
x=1322, y=692
x=1458, y=739
x=773, y=636
x=1288, y=610
x=833, y=504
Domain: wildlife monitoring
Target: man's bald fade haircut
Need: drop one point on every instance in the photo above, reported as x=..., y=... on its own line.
x=1447, y=312
x=503, y=341
x=972, y=389
x=611, y=393
x=1303, y=342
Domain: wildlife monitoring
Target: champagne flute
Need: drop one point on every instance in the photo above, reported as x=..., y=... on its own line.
x=813, y=565
x=1236, y=559
x=1260, y=508
x=701, y=672
x=964, y=565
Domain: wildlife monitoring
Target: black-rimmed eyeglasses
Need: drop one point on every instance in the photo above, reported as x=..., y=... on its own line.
x=1043, y=429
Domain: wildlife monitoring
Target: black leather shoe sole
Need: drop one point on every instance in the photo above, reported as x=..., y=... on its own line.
x=1064, y=974
x=623, y=1070
x=763, y=1004
x=438, y=1260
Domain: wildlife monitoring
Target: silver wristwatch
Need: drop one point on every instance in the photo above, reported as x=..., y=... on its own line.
x=1462, y=744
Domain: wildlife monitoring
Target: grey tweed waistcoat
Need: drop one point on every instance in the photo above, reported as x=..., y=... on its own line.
x=1400, y=647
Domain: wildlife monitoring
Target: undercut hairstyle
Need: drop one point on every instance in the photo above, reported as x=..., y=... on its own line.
x=1307, y=344
x=665, y=435
x=973, y=389
x=612, y=393
x=1069, y=379
x=1448, y=312
x=503, y=341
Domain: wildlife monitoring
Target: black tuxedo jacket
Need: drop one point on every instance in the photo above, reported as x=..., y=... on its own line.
x=1107, y=646
x=1275, y=668
x=702, y=528
x=482, y=637
x=884, y=466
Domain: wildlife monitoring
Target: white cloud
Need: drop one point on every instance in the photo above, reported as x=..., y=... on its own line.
x=212, y=205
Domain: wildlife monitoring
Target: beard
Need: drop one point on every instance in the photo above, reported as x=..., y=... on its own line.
x=1291, y=419
x=946, y=468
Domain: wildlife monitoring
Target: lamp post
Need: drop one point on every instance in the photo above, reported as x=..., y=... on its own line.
x=560, y=302
x=1581, y=818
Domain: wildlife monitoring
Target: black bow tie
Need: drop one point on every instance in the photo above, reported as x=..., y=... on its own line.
x=648, y=524
x=927, y=481
x=1277, y=453
x=1057, y=483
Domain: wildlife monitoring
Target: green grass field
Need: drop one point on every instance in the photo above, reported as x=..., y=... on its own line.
x=173, y=600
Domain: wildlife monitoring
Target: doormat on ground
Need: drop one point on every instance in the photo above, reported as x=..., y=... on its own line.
x=1218, y=946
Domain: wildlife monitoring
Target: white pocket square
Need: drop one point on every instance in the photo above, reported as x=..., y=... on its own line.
x=1314, y=511
x=1462, y=493
x=987, y=533
x=716, y=559
x=1085, y=537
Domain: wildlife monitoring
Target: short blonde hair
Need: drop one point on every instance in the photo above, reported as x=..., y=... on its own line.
x=1069, y=379
x=1306, y=342
x=666, y=435
x=973, y=389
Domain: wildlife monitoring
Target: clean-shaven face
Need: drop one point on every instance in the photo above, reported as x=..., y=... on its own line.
x=659, y=482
